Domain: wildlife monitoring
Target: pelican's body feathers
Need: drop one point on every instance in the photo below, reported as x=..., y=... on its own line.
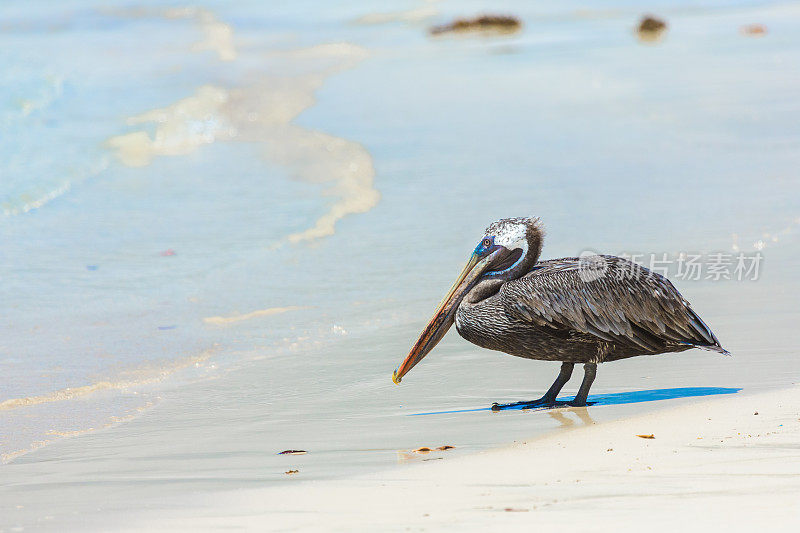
x=557, y=312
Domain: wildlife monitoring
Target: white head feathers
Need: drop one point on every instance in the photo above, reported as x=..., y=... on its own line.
x=512, y=232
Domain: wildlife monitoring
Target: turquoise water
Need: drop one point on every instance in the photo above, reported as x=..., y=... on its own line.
x=168, y=174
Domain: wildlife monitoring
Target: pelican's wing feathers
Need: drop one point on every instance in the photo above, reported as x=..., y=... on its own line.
x=611, y=298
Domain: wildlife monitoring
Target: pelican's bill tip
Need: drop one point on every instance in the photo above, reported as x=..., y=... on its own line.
x=395, y=379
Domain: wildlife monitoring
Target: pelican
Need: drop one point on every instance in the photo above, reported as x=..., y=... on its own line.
x=590, y=309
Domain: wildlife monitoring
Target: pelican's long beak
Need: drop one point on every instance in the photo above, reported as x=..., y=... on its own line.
x=445, y=313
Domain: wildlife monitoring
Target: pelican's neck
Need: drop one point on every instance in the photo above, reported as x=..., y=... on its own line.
x=531, y=250
x=529, y=256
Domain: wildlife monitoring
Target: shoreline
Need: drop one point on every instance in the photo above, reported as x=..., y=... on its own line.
x=712, y=464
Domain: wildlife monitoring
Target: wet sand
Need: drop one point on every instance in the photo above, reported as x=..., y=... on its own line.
x=728, y=464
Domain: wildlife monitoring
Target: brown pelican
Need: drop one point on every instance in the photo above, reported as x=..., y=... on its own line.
x=589, y=309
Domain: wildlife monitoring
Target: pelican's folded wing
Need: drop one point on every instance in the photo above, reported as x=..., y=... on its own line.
x=608, y=297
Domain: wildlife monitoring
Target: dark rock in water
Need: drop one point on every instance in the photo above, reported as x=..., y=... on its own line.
x=483, y=23
x=651, y=29
x=652, y=24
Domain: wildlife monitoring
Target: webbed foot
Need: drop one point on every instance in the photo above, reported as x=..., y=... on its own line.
x=541, y=403
x=531, y=404
x=578, y=403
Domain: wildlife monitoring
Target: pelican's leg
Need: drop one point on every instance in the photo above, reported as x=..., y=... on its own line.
x=550, y=395
x=563, y=376
x=590, y=371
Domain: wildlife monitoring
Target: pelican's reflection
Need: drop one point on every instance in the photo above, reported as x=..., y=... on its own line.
x=582, y=413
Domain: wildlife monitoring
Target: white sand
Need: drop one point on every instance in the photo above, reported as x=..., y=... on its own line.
x=713, y=466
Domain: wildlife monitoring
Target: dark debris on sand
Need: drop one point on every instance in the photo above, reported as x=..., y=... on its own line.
x=293, y=452
x=482, y=23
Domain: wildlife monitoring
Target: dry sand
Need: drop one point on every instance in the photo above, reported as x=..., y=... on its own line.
x=714, y=466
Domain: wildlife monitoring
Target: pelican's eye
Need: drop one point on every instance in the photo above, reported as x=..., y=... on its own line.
x=487, y=242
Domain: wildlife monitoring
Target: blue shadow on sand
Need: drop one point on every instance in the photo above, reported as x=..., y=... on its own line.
x=617, y=398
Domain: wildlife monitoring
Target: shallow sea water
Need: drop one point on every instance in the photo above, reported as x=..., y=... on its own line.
x=222, y=227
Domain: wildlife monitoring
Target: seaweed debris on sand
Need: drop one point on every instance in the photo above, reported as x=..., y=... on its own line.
x=427, y=449
x=482, y=23
x=651, y=29
x=293, y=452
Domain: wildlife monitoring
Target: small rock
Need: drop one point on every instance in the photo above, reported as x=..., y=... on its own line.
x=290, y=472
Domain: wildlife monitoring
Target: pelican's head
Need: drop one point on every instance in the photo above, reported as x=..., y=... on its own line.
x=507, y=249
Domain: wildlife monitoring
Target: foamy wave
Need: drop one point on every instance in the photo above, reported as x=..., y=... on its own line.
x=147, y=376
x=415, y=15
x=346, y=164
x=180, y=128
x=49, y=94
x=311, y=156
x=766, y=238
x=37, y=198
x=218, y=36
x=225, y=320
x=339, y=51
x=263, y=113
x=56, y=434
x=27, y=203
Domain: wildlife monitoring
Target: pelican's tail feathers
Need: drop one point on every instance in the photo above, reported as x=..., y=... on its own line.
x=716, y=348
